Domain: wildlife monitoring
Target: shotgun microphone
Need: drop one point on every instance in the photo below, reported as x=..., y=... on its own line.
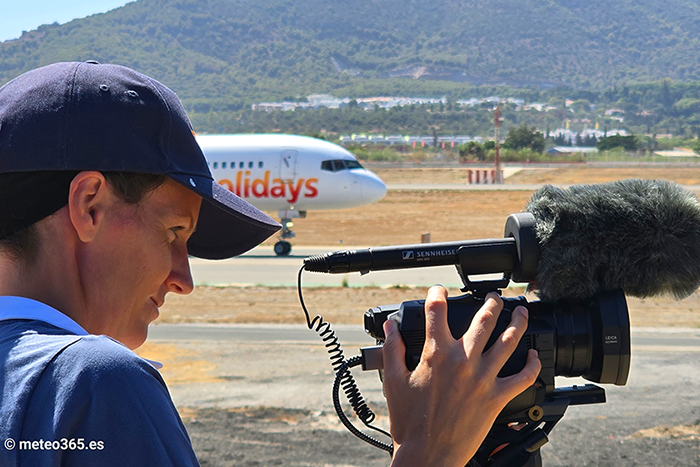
x=642, y=236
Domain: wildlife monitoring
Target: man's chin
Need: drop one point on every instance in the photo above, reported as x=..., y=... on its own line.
x=136, y=338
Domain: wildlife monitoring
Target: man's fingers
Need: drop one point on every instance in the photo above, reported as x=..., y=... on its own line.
x=436, y=327
x=513, y=385
x=482, y=325
x=505, y=345
x=393, y=351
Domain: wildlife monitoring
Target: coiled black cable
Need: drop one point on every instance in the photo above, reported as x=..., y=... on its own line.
x=344, y=379
x=342, y=373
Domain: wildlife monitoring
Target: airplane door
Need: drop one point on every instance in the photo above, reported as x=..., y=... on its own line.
x=288, y=164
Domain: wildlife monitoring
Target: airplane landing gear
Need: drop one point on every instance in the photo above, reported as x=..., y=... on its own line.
x=283, y=247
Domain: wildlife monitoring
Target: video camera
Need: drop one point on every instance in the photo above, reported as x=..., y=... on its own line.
x=588, y=338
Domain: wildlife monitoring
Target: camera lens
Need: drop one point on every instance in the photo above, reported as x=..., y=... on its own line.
x=591, y=337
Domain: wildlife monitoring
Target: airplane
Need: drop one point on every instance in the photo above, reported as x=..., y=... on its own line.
x=289, y=174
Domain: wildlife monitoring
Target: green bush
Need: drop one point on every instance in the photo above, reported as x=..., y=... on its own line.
x=376, y=154
x=471, y=151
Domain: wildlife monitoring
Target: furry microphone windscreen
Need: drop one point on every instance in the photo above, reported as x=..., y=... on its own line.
x=642, y=236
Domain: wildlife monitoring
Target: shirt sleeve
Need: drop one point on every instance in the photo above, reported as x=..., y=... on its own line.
x=101, y=404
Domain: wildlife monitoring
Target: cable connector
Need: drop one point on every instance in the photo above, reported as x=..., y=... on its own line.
x=372, y=358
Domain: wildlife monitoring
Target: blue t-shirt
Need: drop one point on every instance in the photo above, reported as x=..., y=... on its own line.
x=70, y=400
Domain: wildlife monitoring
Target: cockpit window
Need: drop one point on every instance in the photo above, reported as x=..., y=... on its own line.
x=340, y=164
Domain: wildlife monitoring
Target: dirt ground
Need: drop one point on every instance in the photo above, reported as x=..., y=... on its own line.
x=276, y=436
x=347, y=305
x=574, y=175
x=402, y=216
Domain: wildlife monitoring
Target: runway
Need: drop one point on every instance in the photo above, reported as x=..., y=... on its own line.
x=649, y=339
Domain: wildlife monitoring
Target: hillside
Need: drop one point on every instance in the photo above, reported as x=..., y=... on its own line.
x=229, y=52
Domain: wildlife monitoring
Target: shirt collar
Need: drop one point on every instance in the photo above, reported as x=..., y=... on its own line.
x=26, y=308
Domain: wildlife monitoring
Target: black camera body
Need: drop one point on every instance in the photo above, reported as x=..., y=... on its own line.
x=588, y=338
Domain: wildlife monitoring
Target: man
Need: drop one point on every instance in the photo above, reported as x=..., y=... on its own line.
x=103, y=194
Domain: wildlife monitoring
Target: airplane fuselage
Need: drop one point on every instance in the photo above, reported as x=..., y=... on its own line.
x=286, y=172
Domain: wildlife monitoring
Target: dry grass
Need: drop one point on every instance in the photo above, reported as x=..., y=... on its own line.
x=190, y=366
x=687, y=432
x=402, y=216
x=574, y=175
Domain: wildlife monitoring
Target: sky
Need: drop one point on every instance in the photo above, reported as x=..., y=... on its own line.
x=24, y=15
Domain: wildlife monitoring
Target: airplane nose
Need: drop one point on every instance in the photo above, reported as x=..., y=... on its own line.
x=373, y=188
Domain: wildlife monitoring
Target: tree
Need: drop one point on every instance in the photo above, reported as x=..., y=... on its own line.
x=471, y=150
x=687, y=106
x=629, y=143
x=696, y=148
x=666, y=99
x=524, y=137
x=560, y=140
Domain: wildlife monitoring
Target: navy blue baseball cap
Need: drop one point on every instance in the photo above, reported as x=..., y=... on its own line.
x=88, y=116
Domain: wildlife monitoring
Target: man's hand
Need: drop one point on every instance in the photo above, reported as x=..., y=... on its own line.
x=441, y=412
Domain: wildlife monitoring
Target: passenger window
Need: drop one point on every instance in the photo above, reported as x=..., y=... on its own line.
x=241, y=165
x=260, y=165
x=223, y=165
x=216, y=165
x=250, y=164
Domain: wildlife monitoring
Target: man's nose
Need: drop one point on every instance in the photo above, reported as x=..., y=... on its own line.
x=180, y=279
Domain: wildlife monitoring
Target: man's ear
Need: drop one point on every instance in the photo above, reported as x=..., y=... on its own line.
x=88, y=199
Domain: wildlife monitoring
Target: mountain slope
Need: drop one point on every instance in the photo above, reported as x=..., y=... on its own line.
x=234, y=51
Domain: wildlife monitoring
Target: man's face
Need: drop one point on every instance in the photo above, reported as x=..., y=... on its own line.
x=139, y=256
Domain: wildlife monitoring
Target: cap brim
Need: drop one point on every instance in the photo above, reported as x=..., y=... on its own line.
x=227, y=225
